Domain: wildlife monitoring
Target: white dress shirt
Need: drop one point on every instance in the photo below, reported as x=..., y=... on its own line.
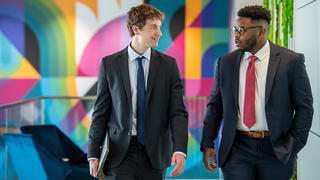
x=261, y=68
x=133, y=72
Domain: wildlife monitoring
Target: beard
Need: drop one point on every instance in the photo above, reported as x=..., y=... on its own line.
x=249, y=44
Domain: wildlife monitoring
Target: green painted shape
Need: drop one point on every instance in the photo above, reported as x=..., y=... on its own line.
x=211, y=36
x=193, y=145
x=80, y=135
x=205, y=3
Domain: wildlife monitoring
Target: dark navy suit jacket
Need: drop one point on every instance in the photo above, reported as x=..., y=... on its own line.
x=288, y=98
x=166, y=120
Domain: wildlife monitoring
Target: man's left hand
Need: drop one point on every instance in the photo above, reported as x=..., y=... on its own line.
x=179, y=161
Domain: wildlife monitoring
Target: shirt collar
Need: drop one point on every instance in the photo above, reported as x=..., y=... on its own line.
x=260, y=54
x=132, y=55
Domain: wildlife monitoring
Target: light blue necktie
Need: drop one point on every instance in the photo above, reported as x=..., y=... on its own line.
x=141, y=95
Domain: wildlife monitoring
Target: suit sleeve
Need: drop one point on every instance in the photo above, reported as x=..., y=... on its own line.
x=177, y=112
x=213, y=117
x=100, y=116
x=303, y=105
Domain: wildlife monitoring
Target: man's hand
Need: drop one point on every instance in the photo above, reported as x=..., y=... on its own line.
x=209, y=153
x=93, y=165
x=179, y=161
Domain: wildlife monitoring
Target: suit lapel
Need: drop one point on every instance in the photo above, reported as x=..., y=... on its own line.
x=235, y=77
x=154, y=64
x=123, y=67
x=272, y=69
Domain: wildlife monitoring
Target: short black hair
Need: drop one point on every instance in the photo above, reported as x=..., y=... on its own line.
x=255, y=13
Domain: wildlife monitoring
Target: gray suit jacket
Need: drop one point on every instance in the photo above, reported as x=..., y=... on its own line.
x=288, y=98
x=166, y=120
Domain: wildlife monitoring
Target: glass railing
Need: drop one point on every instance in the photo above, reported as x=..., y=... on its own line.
x=69, y=114
x=44, y=110
x=72, y=115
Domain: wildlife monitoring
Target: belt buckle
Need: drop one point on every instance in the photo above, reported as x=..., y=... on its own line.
x=262, y=134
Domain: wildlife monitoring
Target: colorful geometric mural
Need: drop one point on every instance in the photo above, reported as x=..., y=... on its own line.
x=207, y=31
x=54, y=47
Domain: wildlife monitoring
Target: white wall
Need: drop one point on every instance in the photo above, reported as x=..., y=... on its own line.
x=306, y=40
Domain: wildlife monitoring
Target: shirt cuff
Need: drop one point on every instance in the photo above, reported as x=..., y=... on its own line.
x=93, y=158
x=179, y=152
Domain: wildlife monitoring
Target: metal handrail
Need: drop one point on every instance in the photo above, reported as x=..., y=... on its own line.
x=80, y=97
x=46, y=97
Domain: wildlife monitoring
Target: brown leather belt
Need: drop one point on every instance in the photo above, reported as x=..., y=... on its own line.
x=255, y=134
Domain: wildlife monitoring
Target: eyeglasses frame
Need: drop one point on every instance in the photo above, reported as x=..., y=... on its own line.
x=242, y=30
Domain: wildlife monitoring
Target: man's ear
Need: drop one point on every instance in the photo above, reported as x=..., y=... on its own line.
x=135, y=29
x=263, y=32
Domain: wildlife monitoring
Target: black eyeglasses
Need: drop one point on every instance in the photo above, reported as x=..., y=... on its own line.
x=241, y=30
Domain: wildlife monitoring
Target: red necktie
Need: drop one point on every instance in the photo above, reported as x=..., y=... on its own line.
x=249, y=112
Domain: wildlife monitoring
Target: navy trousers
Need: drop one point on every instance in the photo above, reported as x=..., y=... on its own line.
x=254, y=159
x=135, y=166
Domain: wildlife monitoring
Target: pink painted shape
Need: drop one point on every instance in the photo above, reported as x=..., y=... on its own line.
x=176, y=50
x=179, y=41
x=198, y=87
x=73, y=118
x=196, y=109
x=111, y=38
x=4, y=83
x=15, y=90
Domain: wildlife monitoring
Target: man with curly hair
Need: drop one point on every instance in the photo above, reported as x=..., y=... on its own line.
x=262, y=94
x=140, y=104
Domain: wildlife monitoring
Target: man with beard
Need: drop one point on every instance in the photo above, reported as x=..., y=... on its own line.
x=262, y=93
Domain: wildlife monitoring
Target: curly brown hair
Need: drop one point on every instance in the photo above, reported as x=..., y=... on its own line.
x=138, y=16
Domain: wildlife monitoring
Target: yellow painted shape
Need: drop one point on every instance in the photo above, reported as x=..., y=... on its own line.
x=26, y=71
x=193, y=9
x=193, y=53
x=69, y=9
x=74, y=102
x=71, y=85
x=86, y=122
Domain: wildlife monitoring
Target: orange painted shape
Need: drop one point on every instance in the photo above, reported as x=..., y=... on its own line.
x=193, y=9
x=86, y=122
x=26, y=71
x=119, y=2
x=69, y=10
x=71, y=85
x=193, y=53
x=92, y=4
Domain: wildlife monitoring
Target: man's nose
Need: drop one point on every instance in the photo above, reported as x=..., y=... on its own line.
x=159, y=33
x=236, y=35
